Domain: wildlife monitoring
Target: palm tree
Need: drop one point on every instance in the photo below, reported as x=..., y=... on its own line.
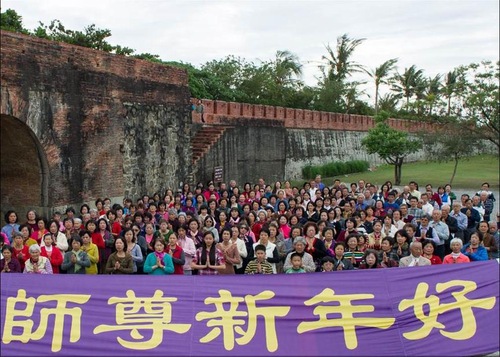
x=286, y=67
x=450, y=87
x=380, y=75
x=389, y=103
x=433, y=90
x=409, y=83
x=339, y=62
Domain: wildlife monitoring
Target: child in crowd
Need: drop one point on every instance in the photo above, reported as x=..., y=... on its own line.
x=296, y=264
x=259, y=265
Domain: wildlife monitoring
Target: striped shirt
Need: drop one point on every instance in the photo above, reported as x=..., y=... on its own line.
x=252, y=267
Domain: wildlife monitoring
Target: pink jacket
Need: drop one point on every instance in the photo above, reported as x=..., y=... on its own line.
x=461, y=259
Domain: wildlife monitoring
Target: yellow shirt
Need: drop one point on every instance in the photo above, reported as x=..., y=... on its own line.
x=29, y=242
x=93, y=254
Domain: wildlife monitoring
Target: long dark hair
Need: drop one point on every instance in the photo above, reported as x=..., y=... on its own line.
x=203, y=258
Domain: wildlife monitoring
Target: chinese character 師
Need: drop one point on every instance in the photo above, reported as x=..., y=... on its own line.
x=461, y=302
x=231, y=321
x=346, y=318
x=139, y=313
x=13, y=318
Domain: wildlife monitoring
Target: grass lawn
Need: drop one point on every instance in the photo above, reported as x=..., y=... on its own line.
x=470, y=173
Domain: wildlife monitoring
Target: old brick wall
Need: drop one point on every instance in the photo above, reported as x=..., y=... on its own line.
x=95, y=116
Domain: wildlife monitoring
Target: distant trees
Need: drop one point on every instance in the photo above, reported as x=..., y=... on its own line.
x=335, y=92
x=11, y=21
x=381, y=75
x=408, y=84
x=392, y=145
x=451, y=141
x=481, y=100
x=467, y=94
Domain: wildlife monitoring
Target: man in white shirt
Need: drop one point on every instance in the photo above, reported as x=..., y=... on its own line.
x=413, y=189
x=426, y=206
x=476, y=204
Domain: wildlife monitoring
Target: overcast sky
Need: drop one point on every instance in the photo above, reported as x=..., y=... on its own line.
x=436, y=35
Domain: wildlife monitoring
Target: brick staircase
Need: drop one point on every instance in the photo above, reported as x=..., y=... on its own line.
x=205, y=138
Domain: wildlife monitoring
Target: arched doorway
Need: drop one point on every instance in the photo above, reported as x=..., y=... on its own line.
x=23, y=168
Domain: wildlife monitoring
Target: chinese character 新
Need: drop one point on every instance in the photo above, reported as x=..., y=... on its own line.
x=59, y=312
x=461, y=302
x=346, y=320
x=231, y=321
x=139, y=313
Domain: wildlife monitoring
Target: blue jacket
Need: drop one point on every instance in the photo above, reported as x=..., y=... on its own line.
x=480, y=254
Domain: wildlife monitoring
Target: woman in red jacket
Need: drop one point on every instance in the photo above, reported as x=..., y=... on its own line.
x=50, y=251
x=176, y=253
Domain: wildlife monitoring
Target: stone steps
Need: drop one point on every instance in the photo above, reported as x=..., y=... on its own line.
x=204, y=139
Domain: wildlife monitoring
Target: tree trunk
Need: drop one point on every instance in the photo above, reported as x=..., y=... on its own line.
x=449, y=106
x=397, y=171
x=376, y=100
x=454, y=169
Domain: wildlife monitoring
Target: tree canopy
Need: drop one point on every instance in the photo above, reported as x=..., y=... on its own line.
x=392, y=145
x=468, y=94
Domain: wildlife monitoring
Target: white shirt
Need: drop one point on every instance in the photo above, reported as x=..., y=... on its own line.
x=428, y=208
x=414, y=261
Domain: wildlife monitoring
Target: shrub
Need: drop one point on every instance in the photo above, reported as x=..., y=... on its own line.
x=337, y=168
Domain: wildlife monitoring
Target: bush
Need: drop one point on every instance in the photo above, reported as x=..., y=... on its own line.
x=335, y=169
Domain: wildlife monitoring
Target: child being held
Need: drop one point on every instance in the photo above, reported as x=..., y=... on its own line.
x=296, y=261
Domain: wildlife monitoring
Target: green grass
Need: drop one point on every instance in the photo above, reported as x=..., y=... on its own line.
x=471, y=173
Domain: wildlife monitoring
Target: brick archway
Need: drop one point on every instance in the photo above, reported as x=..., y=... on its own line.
x=23, y=168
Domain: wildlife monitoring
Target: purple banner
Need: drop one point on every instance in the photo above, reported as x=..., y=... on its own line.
x=437, y=310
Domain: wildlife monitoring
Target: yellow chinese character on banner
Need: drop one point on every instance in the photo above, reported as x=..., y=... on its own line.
x=59, y=312
x=140, y=313
x=231, y=321
x=461, y=302
x=346, y=320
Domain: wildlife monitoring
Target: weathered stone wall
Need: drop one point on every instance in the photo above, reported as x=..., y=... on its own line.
x=105, y=124
x=318, y=147
x=157, y=151
x=246, y=152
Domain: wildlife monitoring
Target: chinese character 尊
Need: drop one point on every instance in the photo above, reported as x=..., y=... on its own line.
x=59, y=312
x=346, y=311
x=231, y=321
x=430, y=321
x=139, y=313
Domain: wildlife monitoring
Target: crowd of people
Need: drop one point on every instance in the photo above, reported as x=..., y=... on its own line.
x=257, y=229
